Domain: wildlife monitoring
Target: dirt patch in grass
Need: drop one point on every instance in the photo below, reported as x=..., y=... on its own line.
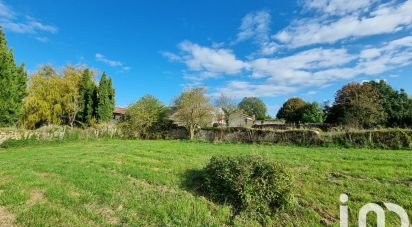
x=36, y=197
x=46, y=174
x=6, y=218
x=109, y=215
x=327, y=219
x=147, y=184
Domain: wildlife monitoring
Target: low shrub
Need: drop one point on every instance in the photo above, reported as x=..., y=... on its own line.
x=253, y=185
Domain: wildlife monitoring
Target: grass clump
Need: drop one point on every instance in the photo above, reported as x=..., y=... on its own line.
x=254, y=186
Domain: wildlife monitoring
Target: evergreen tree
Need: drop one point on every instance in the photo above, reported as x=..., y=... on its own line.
x=12, y=83
x=111, y=95
x=87, y=98
x=105, y=99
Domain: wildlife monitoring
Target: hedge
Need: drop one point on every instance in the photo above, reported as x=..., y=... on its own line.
x=383, y=139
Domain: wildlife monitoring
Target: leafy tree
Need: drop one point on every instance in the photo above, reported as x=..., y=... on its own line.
x=193, y=110
x=292, y=110
x=71, y=94
x=52, y=99
x=88, y=98
x=253, y=106
x=141, y=116
x=228, y=107
x=12, y=83
x=313, y=113
x=358, y=105
x=396, y=104
x=105, y=99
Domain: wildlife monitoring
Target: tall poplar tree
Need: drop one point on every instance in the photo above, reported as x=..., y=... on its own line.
x=88, y=100
x=105, y=99
x=12, y=85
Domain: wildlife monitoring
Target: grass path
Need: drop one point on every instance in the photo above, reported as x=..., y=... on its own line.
x=135, y=183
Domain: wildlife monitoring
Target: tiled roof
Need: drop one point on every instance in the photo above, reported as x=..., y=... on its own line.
x=119, y=110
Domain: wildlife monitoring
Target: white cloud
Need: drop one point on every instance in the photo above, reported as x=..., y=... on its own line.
x=383, y=19
x=311, y=93
x=42, y=39
x=256, y=26
x=394, y=54
x=5, y=11
x=239, y=89
x=112, y=63
x=210, y=60
x=313, y=65
x=14, y=22
x=338, y=7
x=296, y=69
x=319, y=67
x=171, y=56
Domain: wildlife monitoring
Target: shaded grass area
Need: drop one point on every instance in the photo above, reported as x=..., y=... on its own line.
x=135, y=183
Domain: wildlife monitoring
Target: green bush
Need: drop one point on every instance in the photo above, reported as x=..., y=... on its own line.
x=253, y=185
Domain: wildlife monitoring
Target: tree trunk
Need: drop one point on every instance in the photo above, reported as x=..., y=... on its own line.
x=192, y=132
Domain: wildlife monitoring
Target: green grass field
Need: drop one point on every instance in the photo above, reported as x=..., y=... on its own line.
x=135, y=183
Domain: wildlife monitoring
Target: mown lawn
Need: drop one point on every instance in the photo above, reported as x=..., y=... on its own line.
x=135, y=183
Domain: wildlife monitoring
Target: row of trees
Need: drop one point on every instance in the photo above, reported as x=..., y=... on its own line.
x=357, y=105
x=70, y=98
x=47, y=97
x=192, y=109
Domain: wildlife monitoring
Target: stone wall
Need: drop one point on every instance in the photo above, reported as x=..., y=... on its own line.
x=58, y=132
x=246, y=135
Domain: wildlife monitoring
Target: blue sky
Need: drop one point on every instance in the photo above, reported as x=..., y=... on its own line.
x=270, y=49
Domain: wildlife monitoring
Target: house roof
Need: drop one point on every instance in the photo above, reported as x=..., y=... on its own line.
x=119, y=110
x=241, y=114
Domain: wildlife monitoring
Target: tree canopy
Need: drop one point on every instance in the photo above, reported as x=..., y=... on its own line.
x=253, y=106
x=193, y=110
x=292, y=110
x=313, y=113
x=106, y=102
x=141, y=116
x=397, y=105
x=88, y=98
x=357, y=105
x=70, y=98
x=296, y=110
x=13, y=85
x=52, y=99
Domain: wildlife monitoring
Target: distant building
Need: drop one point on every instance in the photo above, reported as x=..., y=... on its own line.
x=118, y=113
x=237, y=119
